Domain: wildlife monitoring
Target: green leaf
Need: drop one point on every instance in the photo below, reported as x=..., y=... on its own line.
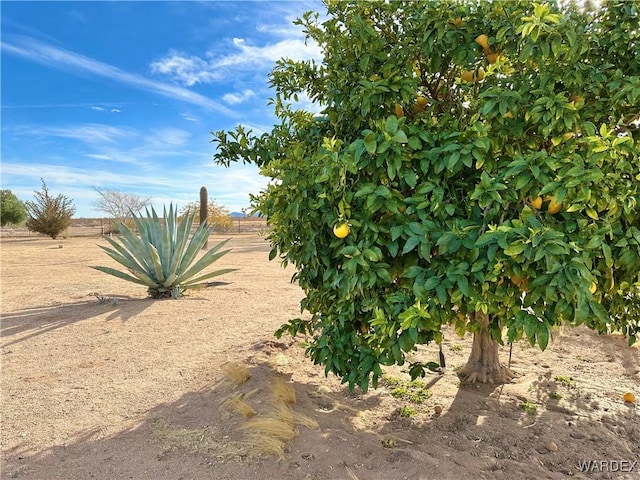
x=391, y=125
x=514, y=249
x=410, y=244
x=542, y=335
x=400, y=137
x=370, y=143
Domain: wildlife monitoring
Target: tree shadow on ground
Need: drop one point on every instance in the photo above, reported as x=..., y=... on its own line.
x=540, y=426
x=484, y=433
x=195, y=437
x=30, y=322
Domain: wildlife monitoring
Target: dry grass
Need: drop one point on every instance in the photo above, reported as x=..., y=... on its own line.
x=260, y=444
x=236, y=373
x=283, y=391
x=282, y=411
x=273, y=426
x=237, y=404
x=352, y=475
x=267, y=431
x=193, y=440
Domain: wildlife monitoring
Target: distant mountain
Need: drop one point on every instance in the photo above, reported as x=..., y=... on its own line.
x=242, y=215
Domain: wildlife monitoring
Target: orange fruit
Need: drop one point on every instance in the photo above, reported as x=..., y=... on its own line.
x=467, y=76
x=341, y=230
x=421, y=100
x=536, y=202
x=457, y=22
x=483, y=41
x=554, y=207
x=493, y=57
x=629, y=397
x=480, y=75
x=399, y=110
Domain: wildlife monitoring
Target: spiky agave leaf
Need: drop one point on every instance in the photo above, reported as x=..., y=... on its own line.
x=162, y=256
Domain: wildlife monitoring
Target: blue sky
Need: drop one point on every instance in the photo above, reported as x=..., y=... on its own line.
x=124, y=95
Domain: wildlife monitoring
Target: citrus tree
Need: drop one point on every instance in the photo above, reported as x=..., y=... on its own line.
x=479, y=164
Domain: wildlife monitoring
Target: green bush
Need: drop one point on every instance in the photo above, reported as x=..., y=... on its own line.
x=12, y=210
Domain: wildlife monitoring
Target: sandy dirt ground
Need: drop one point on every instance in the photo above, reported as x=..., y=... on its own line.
x=100, y=382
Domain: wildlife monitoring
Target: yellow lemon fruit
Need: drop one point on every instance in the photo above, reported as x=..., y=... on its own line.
x=480, y=75
x=593, y=288
x=629, y=397
x=554, y=207
x=341, y=230
x=399, y=110
x=483, y=41
x=536, y=202
x=421, y=100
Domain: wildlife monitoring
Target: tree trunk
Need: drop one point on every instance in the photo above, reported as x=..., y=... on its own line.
x=484, y=364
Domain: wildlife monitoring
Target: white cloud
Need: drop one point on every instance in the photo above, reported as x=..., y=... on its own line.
x=76, y=176
x=187, y=70
x=235, y=98
x=88, y=133
x=96, y=108
x=239, y=54
x=188, y=117
x=168, y=136
x=39, y=52
x=229, y=187
x=115, y=110
x=250, y=56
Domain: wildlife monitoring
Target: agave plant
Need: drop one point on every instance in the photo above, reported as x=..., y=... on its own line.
x=162, y=256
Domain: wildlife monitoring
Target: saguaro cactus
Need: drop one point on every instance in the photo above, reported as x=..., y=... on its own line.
x=204, y=209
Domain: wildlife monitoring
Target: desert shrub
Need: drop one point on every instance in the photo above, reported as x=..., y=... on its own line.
x=49, y=215
x=218, y=216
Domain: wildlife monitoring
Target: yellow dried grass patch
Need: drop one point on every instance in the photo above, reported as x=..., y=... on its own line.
x=237, y=404
x=273, y=427
x=237, y=373
x=260, y=444
x=283, y=391
x=267, y=432
x=282, y=411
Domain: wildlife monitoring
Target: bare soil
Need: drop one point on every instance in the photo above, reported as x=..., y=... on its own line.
x=101, y=382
